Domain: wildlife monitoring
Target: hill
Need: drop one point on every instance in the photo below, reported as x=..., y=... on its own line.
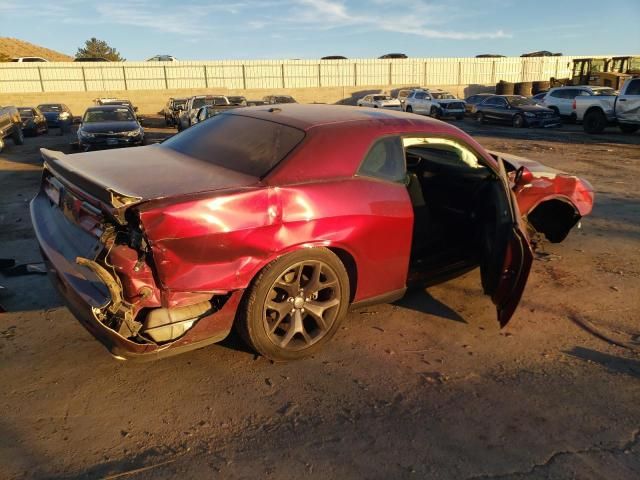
x=12, y=47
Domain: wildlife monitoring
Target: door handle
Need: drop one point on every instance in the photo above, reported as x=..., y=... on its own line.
x=622, y=99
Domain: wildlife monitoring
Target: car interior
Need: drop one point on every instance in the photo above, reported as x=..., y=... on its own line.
x=460, y=211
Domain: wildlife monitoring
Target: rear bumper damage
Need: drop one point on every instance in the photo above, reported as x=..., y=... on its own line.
x=118, y=301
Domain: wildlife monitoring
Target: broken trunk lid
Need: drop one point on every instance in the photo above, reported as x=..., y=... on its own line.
x=125, y=177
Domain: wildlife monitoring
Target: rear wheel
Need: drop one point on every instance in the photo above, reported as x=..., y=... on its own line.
x=295, y=304
x=594, y=122
x=518, y=121
x=409, y=109
x=18, y=136
x=434, y=112
x=626, y=128
x=480, y=118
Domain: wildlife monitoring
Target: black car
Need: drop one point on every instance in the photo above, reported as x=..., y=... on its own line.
x=473, y=100
x=109, y=126
x=275, y=99
x=90, y=59
x=393, y=55
x=515, y=110
x=334, y=57
x=56, y=113
x=33, y=121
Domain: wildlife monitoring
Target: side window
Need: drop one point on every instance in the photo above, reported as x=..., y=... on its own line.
x=420, y=95
x=556, y=94
x=492, y=102
x=385, y=160
x=633, y=88
x=501, y=102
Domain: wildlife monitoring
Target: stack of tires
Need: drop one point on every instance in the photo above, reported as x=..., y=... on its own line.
x=523, y=88
x=540, y=86
x=504, y=88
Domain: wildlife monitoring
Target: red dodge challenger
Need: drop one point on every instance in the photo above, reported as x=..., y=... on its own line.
x=277, y=219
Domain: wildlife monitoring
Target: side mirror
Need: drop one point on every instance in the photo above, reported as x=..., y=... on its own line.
x=522, y=177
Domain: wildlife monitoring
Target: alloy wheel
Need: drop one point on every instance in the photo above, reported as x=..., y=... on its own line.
x=302, y=305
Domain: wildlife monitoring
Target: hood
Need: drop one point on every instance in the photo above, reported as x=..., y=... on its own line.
x=533, y=109
x=108, y=127
x=449, y=100
x=51, y=115
x=536, y=168
x=129, y=176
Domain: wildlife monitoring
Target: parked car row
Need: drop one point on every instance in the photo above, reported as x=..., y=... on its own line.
x=182, y=113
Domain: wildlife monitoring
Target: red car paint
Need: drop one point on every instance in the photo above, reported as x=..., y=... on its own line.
x=206, y=243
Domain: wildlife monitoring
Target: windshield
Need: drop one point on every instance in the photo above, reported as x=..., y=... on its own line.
x=244, y=144
x=597, y=65
x=25, y=112
x=520, y=101
x=605, y=92
x=50, y=108
x=108, y=115
x=443, y=96
x=179, y=103
x=381, y=97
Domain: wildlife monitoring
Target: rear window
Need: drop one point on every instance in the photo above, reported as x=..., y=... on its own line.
x=244, y=144
x=50, y=108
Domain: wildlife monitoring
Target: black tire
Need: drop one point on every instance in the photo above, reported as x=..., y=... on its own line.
x=434, y=112
x=626, y=128
x=480, y=118
x=255, y=317
x=518, y=121
x=556, y=110
x=375, y=106
x=18, y=137
x=594, y=121
x=409, y=109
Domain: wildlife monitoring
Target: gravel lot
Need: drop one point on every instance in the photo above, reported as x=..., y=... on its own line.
x=425, y=388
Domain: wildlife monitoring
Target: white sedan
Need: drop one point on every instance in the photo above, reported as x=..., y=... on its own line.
x=379, y=101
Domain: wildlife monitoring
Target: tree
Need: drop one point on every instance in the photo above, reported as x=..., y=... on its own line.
x=99, y=48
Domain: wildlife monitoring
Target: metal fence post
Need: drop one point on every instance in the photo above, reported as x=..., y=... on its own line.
x=244, y=77
x=166, y=82
x=355, y=74
x=425, y=74
x=206, y=79
x=124, y=77
x=84, y=79
x=319, y=76
x=283, y=75
x=391, y=72
x=40, y=77
x=459, y=73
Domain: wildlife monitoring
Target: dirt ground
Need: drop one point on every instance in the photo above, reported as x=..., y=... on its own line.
x=429, y=387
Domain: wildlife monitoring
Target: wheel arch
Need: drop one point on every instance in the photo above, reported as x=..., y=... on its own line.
x=554, y=218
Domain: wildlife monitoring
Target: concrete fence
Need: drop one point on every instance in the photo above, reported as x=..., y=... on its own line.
x=276, y=74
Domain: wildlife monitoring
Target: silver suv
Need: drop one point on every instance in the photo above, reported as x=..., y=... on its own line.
x=560, y=99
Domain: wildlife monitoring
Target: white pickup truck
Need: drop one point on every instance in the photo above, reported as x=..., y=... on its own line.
x=597, y=112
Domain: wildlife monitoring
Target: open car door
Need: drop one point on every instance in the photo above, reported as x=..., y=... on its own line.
x=507, y=255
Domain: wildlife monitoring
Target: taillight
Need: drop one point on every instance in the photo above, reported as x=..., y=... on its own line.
x=573, y=104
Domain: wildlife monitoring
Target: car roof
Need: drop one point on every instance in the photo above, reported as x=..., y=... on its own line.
x=307, y=116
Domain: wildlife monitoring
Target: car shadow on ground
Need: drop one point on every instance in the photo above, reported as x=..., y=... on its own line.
x=422, y=301
x=612, y=363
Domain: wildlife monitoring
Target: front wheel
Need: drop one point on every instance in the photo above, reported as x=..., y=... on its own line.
x=518, y=121
x=295, y=304
x=480, y=118
x=435, y=112
x=627, y=128
x=409, y=109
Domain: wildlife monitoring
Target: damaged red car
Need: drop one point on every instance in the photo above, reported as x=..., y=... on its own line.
x=278, y=219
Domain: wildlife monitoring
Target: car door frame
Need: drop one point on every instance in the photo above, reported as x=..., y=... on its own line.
x=626, y=103
x=516, y=264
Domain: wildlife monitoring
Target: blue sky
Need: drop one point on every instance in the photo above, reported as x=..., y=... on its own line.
x=253, y=29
